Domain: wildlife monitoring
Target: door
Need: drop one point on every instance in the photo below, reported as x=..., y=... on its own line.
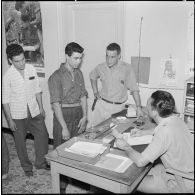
x=93, y=25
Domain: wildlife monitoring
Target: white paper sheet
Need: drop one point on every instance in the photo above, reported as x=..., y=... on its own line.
x=114, y=162
x=86, y=148
x=145, y=139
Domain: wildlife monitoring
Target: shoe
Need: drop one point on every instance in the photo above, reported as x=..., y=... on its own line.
x=29, y=173
x=46, y=166
x=5, y=176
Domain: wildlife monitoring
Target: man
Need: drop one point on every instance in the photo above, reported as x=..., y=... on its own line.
x=116, y=77
x=68, y=96
x=172, y=143
x=22, y=103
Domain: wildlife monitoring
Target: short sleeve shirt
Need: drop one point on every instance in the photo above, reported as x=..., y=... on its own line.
x=64, y=89
x=174, y=144
x=115, y=81
x=19, y=92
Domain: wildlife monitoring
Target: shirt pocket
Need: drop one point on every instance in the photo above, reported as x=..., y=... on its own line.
x=32, y=85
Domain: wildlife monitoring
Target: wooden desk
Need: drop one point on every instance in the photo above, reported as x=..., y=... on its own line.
x=109, y=180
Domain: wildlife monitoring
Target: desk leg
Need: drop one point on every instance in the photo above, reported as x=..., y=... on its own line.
x=55, y=176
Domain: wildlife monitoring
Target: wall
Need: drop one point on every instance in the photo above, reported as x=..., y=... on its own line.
x=164, y=33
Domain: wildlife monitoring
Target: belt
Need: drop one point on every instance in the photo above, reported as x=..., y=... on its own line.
x=112, y=102
x=70, y=105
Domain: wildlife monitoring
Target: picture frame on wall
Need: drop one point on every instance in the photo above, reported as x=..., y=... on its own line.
x=23, y=26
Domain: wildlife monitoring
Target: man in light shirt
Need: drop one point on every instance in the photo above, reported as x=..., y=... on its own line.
x=22, y=103
x=117, y=78
x=172, y=142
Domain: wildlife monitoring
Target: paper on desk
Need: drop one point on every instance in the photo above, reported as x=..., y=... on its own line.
x=114, y=162
x=86, y=148
x=145, y=139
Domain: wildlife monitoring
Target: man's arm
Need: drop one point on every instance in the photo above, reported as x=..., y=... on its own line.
x=40, y=103
x=137, y=100
x=135, y=156
x=58, y=112
x=10, y=121
x=82, y=122
x=95, y=88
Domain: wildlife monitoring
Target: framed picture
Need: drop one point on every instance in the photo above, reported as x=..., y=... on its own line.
x=23, y=25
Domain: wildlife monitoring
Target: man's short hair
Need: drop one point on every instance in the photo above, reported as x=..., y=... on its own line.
x=14, y=50
x=114, y=47
x=73, y=47
x=163, y=102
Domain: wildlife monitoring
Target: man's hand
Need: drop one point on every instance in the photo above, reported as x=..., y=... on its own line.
x=97, y=95
x=82, y=124
x=12, y=125
x=136, y=132
x=65, y=134
x=116, y=134
x=121, y=143
x=139, y=112
x=42, y=112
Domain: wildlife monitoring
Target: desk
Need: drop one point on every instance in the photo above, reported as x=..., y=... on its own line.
x=109, y=180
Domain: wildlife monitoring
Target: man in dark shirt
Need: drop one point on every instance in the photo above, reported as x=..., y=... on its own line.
x=68, y=96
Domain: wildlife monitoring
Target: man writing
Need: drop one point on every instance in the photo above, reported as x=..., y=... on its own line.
x=172, y=143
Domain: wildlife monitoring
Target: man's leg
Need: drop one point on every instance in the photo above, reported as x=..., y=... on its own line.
x=155, y=181
x=5, y=158
x=20, y=142
x=38, y=128
x=57, y=133
x=100, y=113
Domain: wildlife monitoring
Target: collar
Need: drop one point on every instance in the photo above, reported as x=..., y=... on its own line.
x=164, y=122
x=64, y=69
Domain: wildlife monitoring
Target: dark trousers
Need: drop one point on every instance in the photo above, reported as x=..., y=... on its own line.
x=38, y=129
x=5, y=156
x=72, y=116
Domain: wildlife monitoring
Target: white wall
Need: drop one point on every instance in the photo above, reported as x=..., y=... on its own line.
x=164, y=33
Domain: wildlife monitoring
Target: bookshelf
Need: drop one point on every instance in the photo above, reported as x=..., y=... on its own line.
x=188, y=105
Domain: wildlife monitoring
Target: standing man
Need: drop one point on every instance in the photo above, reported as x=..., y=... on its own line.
x=68, y=96
x=116, y=77
x=172, y=143
x=22, y=103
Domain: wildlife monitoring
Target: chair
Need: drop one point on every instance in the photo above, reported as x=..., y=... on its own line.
x=180, y=179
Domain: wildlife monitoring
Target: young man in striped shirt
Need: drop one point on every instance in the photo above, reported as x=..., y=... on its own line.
x=22, y=103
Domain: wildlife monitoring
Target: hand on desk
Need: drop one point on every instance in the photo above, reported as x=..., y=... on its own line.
x=136, y=132
x=121, y=143
x=140, y=132
x=116, y=134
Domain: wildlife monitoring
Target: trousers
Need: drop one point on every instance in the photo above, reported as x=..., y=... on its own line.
x=5, y=156
x=72, y=116
x=104, y=110
x=37, y=128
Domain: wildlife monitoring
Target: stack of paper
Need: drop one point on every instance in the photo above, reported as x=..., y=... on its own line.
x=86, y=148
x=145, y=139
x=114, y=162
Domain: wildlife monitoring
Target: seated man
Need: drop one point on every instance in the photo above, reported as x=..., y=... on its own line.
x=172, y=143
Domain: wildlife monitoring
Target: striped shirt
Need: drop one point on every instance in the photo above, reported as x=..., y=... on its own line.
x=115, y=81
x=19, y=91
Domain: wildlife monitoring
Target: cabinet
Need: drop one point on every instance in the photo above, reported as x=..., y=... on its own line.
x=188, y=104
